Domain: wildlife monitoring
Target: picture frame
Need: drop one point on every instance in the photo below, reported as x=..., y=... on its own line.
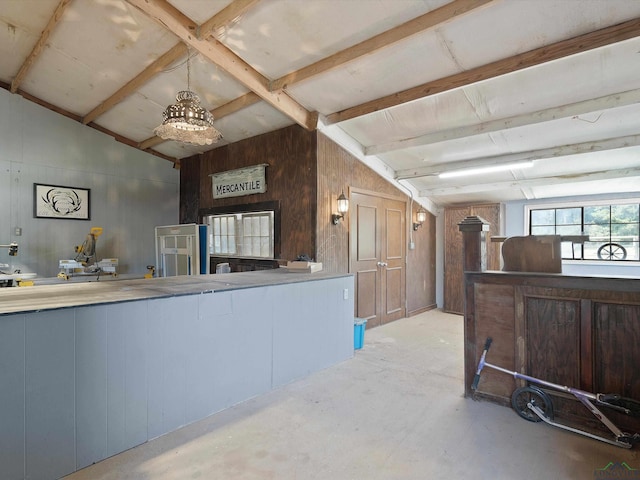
x=61, y=202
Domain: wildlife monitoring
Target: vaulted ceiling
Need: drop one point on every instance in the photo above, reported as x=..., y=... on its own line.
x=414, y=88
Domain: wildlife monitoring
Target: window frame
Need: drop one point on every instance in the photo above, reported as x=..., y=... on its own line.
x=581, y=204
x=248, y=208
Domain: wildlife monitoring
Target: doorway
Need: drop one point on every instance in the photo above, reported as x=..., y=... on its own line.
x=377, y=256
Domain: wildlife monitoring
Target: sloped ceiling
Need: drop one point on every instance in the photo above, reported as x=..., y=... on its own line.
x=413, y=88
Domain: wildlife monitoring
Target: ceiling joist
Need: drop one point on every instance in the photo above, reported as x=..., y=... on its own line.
x=582, y=43
x=533, y=182
x=571, y=110
x=169, y=17
x=225, y=16
x=42, y=41
x=134, y=84
x=412, y=27
x=542, y=154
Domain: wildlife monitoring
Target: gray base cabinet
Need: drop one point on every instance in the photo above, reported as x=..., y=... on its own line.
x=81, y=384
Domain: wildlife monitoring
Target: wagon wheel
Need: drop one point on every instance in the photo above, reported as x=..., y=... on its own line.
x=612, y=251
x=521, y=397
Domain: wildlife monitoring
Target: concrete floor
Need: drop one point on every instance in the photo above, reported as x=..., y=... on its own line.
x=395, y=411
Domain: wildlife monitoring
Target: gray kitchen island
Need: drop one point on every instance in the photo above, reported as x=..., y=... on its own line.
x=91, y=369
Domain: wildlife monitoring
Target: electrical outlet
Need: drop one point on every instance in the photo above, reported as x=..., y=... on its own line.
x=412, y=245
x=18, y=231
x=345, y=294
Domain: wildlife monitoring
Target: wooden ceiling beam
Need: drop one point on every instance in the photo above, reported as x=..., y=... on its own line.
x=541, y=155
x=531, y=182
x=172, y=19
x=412, y=27
x=228, y=14
x=178, y=51
x=222, y=111
x=615, y=100
x=40, y=44
x=599, y=38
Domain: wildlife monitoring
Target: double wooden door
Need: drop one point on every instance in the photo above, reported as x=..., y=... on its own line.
x=377, y=256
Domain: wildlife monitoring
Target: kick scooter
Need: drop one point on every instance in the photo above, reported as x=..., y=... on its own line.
x=534, y=405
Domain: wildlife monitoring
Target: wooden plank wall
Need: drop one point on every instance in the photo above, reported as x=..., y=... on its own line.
x=337, y=170
x=291, y=180
x=307, y=172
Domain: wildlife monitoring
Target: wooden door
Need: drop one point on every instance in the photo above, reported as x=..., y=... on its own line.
x=378, y=257
x=453, y=260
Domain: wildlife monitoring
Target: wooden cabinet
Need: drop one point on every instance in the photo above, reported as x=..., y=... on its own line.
x=576, y=331
x=453, y=271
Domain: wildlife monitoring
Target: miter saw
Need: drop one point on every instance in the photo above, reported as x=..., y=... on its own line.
x=86, y=261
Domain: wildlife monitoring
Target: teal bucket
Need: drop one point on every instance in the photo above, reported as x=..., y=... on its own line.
x=359, y=327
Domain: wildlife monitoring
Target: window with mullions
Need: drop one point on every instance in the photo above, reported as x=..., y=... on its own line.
x=242, y=234
x=613, y=230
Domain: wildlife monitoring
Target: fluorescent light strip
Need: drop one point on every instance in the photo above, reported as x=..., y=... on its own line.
x=488, y=169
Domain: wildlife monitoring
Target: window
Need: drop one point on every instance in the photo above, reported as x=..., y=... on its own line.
x=613, y=230
x=248, y=234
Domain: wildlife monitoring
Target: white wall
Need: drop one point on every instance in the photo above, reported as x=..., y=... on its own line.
x=131, y=191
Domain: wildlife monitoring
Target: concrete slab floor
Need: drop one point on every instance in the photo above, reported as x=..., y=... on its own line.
x=395, y=411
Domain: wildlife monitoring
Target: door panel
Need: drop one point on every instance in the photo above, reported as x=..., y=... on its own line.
x=377, y=257
x=367, y=286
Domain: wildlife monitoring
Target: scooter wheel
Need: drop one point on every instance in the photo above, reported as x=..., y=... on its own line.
x=522, y=396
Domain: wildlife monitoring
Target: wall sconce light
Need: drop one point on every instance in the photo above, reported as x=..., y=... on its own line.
x=421, y=216
x=343, y=207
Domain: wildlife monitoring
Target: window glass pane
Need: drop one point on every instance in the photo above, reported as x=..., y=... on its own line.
x=567, y=216
x=543, y=217
x=568, y=229
x=567, y=250
x=591, y=250
x=597, y=214
x=242, y=234
x=624, y=213
x=597, y=233
x=624, y=232
x=550, y=230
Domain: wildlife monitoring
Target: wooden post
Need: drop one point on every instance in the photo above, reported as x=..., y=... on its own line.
x=474, y=243
x=474, y=252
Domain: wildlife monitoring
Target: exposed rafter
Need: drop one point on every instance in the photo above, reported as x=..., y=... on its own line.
x=532, y=182
x=225, y=16
x=582, y=43
x=171, y=18
x=366, y=47
x=42, y=41
x=572, y=110
x=546, y=153
x=134, y=84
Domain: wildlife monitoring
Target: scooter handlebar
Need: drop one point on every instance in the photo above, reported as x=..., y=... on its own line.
x=476, y=379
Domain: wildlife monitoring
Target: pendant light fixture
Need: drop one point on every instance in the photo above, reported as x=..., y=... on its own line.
x=186, y=121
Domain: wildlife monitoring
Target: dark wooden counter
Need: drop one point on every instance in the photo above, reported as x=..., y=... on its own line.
x=577, y=331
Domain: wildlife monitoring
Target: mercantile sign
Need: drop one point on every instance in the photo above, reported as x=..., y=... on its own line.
x=239, y=182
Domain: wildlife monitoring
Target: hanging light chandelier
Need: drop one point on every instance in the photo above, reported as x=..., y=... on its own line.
x=186, y=121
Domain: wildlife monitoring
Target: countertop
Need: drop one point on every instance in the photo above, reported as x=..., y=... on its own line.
x=65, y=295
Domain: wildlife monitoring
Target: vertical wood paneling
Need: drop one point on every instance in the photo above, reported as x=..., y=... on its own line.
x=307, y=172
x=453, y=252
x=553, y=339
x=617, y=330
